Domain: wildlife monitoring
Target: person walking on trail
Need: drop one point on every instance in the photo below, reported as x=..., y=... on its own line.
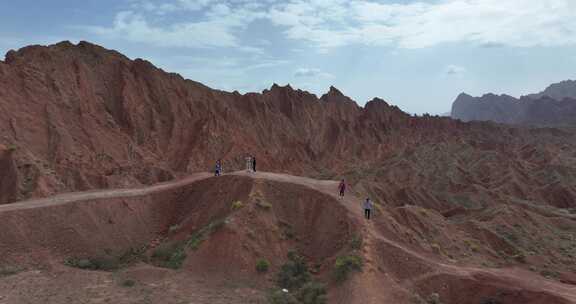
x=368, y=206
x=254, y=163
x=218, y=169
x=342, y=188
x=249, y=164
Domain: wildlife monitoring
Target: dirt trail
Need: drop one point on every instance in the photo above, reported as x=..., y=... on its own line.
x=383, y=289
x=73, y=197
x=375, y=285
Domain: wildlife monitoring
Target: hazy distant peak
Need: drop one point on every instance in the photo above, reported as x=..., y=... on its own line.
x=555, y=105
x=559, y=91
x=464, y=95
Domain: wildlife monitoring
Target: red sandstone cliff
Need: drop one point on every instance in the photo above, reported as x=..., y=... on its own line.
x=86, y=117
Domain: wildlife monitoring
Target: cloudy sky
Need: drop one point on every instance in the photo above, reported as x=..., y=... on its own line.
x=418, y=55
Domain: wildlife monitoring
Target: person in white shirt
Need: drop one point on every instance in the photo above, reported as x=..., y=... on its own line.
x=249, y=164
x=368, y=206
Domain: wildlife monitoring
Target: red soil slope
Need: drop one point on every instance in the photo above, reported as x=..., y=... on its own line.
x=8, y=176
x=117, y=220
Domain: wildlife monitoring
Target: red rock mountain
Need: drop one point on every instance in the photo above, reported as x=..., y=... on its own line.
x=478, y=212
x=82, y=117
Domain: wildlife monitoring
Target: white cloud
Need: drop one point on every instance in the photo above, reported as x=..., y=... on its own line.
x=327, y=24
x=311, y=73
x=454, y=70
x=210, y=23
x=201, y=34
x=163, y=7
x=228, y=73
x=518, y=23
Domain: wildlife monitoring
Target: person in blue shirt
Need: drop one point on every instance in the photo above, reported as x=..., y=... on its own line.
x=218, y=169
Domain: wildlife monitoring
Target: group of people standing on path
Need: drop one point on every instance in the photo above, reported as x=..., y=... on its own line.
x=367, y=205
x=250, y=165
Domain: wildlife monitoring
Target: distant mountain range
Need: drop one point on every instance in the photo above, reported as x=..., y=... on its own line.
x=556, y=105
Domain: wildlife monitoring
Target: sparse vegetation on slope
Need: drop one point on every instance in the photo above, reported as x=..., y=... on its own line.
x=172, y=255
x=169, y=255
x=356, y=242
x=108, y=262
x=262, y=265
x=296, y=284
x=9, y=270
x=294, y=273
x=103, y=263
x=345, y=265
x=237, y=205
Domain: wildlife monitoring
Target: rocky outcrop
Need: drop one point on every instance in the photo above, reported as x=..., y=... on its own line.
x=498, y=108
x=8, y=175
x=538, y=109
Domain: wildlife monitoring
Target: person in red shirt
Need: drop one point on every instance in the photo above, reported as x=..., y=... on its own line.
x=342, y=188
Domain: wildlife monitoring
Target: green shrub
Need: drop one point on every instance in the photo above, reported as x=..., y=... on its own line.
x=356, y=242
x=195, y=240
x=289, y=233
x=417, y=299
x=549, y=273
x=344, y=265
x=519, y=257
x=107, y=261
x=78, y=263
x=237, y=205
x=128, y=283
x=279, y=296
x=200, y=236
x=312, y=293
x=262, y=265
x=133, y=255
x=296, y=285
x=434, y=299
x=472, y=245
x=12, y=147
x=263, y=204
x=169, y=255
x=215, y=225
x=94, y=263
x=174, y=228
x=287, y=230
x=294, y=273
x=490, y=301
x=9, y=270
